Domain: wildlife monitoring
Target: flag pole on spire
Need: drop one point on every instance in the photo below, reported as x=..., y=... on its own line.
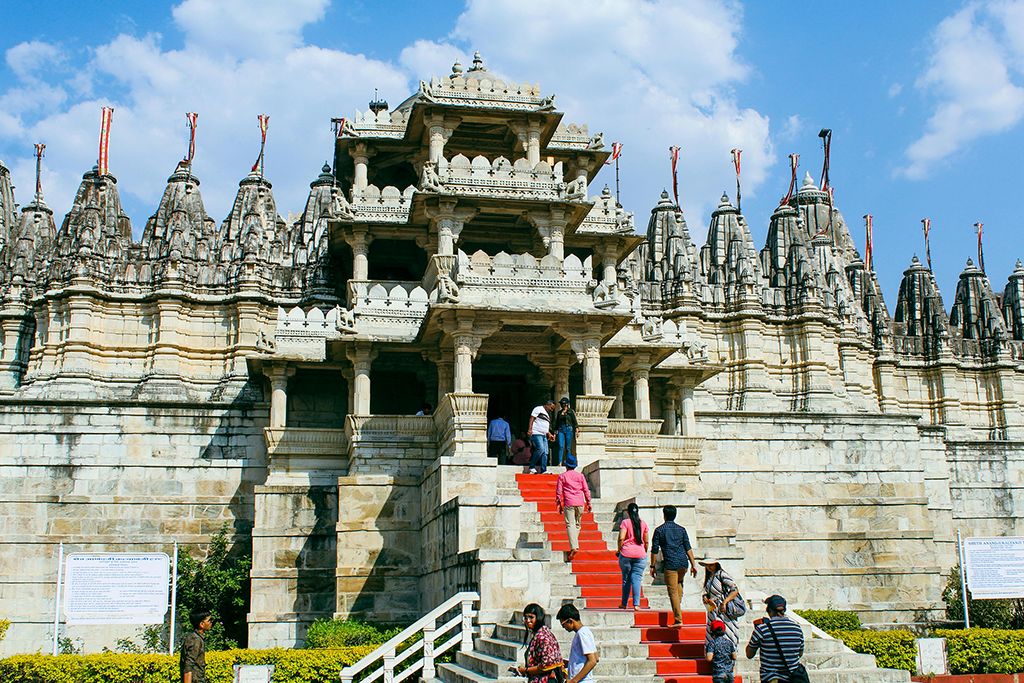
x=869, y=259
x=263, y=119
x=794, y=161
x=102, y=162
x=616, y=152
x=674, y=156
x=187, y=161
x=826, y=142
x=736, y=164
x=981, y=253
x=39, y=165
x=927, y=223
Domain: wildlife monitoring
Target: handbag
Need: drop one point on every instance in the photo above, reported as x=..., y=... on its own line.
x=797, y=673
x=736, y=607
x=558, y=670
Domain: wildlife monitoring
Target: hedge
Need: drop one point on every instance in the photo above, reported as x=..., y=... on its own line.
x=984, y=651
x=829, y=620
x=294, y=666
x=892, y=649
x=347, y=633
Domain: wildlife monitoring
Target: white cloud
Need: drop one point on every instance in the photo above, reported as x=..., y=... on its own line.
x=895, y=89
x=975, y=52
x=794, y=126
x=25, y=59
x=648, y=73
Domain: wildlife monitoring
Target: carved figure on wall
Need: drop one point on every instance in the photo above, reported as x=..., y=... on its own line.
x=650, y=329
x=596, y=142
x=447, y=290
x=265, y=343
x=340, y=208
x=695, y=351
x=347, y=129
x=346, y=321
x=604, y=297
x=577, y=189
x=432, y=181
x=547, y=104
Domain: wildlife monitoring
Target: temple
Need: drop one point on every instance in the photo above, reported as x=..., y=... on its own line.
x=460, y=251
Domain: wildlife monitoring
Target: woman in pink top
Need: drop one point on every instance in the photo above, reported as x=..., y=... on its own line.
x=633, y=543
x=572, y=496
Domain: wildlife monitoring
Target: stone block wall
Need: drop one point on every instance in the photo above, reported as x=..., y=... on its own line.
x=114, y=478
x=987, y=488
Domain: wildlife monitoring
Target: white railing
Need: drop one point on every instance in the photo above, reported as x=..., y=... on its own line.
x=461, y=624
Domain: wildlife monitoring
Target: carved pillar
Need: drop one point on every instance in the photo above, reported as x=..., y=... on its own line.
x=689, y=417
x=439, y=129
x=466, y=346
x=278, y=374
x=533, y=142
x=618, y=409
x=641, y=390
x=551, y=226
x=360, y=243
x=447, y=221
x=668, y=427
x=562, y=376
x=588, y=352
x=608, y=254
x=445, y=375
x=361, y=354
x=350, y=375
x=361, y=153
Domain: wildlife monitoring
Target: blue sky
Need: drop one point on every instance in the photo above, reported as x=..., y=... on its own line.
x=925, y=100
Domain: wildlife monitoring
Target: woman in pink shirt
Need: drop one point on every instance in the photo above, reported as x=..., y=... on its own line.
x=572, y=496
x=633, y=543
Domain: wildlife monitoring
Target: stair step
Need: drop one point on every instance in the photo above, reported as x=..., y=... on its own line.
x=684, y=634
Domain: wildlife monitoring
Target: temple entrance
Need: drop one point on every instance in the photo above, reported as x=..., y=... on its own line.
x=513, y=385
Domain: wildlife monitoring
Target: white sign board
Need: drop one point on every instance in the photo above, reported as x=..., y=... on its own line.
x=931, y=657
x=250, y=673
x=116, y=588
x=995, y=566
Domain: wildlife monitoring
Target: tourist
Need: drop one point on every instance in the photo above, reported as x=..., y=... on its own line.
x=543, y=654
x=539, y=428
x=565, y=430
x=583, y=652
x=721, y=652
x=719, y=589
x=633, y=543
x=777, y=632
x=521, y=450
x=499, y=438
x=674, y=544
x=427, y=409
x=572, y=496
x=193, y=648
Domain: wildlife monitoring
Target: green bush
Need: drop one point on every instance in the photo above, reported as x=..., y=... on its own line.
x=4, y=625
x=991, y=614
x=218, y=584
x=892, y=649
x=984, y=651
x=347, y=633
x=294, y=666
x=829, y=620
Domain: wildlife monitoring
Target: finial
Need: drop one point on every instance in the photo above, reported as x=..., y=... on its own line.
x=1019, y=266
x=664, y=195
x=608, y=193
x=478, y=63
x=378, y=105
x=457, y=67
x=725, y=198
x=914, y=261
x=970, y=263
x=326, y=168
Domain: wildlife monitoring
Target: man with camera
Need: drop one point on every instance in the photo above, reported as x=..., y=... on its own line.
x=781, y=642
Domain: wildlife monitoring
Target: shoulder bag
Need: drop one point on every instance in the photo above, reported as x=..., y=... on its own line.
x=797, y=673
x=735, y=608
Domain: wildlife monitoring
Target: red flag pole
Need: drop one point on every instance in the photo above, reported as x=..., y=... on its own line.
x=736, y=163
x=102, y=162
x=794, y=161
x=869, y=259
x=981, y=253
x=264, y=120
x=192, y=120
x=39, y=167
x=927, y=223
x=674, y=152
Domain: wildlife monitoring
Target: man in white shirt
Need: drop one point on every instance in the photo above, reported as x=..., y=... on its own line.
x=539, y=429
x=583, y=653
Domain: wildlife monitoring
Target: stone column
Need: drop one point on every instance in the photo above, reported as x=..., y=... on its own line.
x=350, y=375
x=278, y=373
x=618, y=408
x=360, y=243
x=562, y=376
x=533, y=142
x=608, y=258
x=689, y=417
x=551, y=226
x=557, y=245
x=448, y=221
x=641, y=391
x=445, y=375
x=588, y=352
x=361, y=153
x=669, y=425
x=466, y=346
x=439, y=130
x=361, y=354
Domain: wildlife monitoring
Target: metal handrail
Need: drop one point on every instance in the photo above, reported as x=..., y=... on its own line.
x=427, y=625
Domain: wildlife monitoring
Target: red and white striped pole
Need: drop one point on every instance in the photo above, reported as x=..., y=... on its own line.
x=103, y=161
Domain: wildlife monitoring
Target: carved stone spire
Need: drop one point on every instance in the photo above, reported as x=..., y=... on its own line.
x=8, y=215
x=325, y=201
x=24, y=259
x=670, y=251
x=1013, y=303
x=96, y=235
x=178, y=239
x=729, y=256
x=868, y=293
x=975, y=311
x=813, y=205
x=256, y=245
x=919, y=310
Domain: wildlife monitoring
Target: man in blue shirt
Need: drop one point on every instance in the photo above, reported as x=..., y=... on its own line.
x=674, y=544
x=499, y=438
x=791, y=641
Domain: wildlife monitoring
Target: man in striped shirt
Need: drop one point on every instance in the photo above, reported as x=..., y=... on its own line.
x=789, y=634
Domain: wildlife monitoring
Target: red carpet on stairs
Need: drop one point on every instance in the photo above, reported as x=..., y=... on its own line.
x=678, y=652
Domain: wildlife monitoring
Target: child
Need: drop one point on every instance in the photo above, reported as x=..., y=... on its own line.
x=721, y=652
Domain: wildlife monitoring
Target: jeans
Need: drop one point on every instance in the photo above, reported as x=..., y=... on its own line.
x=632, y=571
x=539, y=459
x=563, y=444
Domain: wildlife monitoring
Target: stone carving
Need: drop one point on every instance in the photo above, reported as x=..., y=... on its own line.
x=695, y=350
x=266, y=343
x=431, y=181
x=447, y=290
x=596, y=142
x=547, y=104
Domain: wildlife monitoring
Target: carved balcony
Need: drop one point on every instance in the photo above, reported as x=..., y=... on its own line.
x=305, y=457
x=374, y=205
x=632, y=435
x=501, y=179
x=521, y=281
x=388, y=309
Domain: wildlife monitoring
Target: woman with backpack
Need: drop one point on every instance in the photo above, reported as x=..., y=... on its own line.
x=721, y=600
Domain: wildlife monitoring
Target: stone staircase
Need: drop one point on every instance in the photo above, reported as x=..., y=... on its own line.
x=631, y=644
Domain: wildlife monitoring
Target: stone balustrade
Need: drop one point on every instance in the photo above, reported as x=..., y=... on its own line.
x=501, y=179
x=606, y=217
x=305, y=456
x=388, y=310
x=678, y=455
x=629, y=435
x=521, y=281
x=485, y=92
x=304, y=334
x=386, y=124
x=571, y=136
x=374, y=205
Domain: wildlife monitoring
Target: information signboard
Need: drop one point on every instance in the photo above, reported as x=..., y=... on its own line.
x=116, y=588
x=995, y=566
